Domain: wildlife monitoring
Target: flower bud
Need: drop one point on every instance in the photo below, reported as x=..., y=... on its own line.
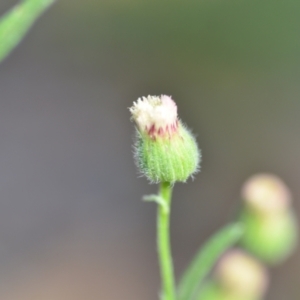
x=269, y=222
x=165, y=150
x=266, y=194
x=237, y=276
x=240, y=274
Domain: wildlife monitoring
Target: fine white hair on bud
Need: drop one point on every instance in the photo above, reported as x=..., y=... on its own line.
x=155, y=116
x=165, y=150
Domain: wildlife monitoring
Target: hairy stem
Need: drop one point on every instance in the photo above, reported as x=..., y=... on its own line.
x=163, y=244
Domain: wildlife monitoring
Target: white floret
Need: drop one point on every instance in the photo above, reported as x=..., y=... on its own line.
x=160, y=112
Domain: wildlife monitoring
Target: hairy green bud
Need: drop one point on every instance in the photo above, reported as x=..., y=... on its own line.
x=165, y=150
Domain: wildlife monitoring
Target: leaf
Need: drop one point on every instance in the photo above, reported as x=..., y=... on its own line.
x=16, y=22
x=205, y=259
x=159, y=200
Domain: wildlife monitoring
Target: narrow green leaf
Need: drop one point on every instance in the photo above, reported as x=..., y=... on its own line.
x=205, y=259
x=16, y=22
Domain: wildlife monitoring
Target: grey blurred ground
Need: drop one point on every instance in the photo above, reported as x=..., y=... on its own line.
x=72, y=225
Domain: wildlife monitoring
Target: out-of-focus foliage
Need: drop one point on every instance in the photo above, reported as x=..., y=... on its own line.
x=15, y=24
x=190, y=36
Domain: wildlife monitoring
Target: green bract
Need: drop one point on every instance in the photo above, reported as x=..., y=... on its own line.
x=167, y=159
x=271, y=238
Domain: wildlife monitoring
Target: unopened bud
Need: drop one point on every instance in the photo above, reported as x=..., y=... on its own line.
x=237, y=276
x=269, y=221
x=242, y=275
x=266, y=194
x=165, y=150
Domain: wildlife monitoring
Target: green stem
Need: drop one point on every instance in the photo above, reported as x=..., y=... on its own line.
x=163, y=244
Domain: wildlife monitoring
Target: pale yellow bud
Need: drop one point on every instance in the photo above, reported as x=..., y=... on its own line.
x=241, y=275
x=266, y=193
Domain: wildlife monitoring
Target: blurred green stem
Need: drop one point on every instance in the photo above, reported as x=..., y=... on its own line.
x=163, y=243
x=205, y=259
x=15, y=23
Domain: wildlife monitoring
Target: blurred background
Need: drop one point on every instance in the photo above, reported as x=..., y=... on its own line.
x=72, y=223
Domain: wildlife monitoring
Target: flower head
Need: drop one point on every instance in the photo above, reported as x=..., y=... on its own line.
x=155, y=116
x=165, y=150
x=266, y=193
x=242, y=275
x=270, y=226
